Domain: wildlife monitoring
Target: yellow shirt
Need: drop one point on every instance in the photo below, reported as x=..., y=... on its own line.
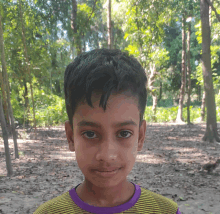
x=143, y=202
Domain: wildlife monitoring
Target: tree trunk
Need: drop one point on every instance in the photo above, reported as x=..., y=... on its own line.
x=154, y=107
x=210, y=17
x=76, y=37
x=183, y=78
x=203, y=107
x=26, y=103
x=109, y=25
x=103, y=39
x=199, y=93
x=4, y=70
x=84, y=43
x=211, y=5
x=211, y=124
x=73, y=16
x=3, y=86
x=160, y=92
x=112, y=35
x=5, y=137
x=188, y=73
x=27, y=62
x=32, y=98
x=97, y=42
x=5, y=106
x=151, y=88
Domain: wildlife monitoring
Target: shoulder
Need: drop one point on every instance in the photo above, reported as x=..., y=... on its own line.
x=61, y=202
x=158, y=202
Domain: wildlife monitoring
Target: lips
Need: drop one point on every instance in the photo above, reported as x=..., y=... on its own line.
x=107, y=173
x=107, y=169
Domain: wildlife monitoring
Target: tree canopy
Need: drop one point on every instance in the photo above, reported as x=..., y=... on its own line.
x=56, y=32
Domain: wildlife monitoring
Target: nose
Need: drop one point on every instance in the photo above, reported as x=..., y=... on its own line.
x=107, y=151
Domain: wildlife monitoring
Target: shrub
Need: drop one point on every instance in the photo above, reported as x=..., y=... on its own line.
x=169, y=114
x=49, y=109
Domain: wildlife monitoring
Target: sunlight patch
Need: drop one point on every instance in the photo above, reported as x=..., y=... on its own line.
x=149, y=159
x=63, y=156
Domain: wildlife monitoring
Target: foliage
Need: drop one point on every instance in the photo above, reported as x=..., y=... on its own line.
x=144, y=28
x=50, y=109
x=215, y=54
x=169, y=114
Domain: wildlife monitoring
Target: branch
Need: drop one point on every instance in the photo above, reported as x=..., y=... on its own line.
x=217, y=15
x=93, y=8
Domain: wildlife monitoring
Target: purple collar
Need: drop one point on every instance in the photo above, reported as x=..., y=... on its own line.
x=106, y=210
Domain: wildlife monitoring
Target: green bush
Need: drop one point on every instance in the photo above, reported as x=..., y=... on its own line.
x=169, y=114
x=53, y=114
x=18, y=109
x=49, y=109
x=162, y=114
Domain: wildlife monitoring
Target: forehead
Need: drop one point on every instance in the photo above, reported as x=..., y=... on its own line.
x=96, y=96
x=120, y=108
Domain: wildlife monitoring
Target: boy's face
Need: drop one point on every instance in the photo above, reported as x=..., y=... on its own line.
x=103, y=143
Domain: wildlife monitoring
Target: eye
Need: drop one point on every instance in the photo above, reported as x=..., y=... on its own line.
x=125, y=133
x=89, y=134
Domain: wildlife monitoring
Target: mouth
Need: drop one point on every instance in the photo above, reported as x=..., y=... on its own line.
x=110, y=169
x=107, y=173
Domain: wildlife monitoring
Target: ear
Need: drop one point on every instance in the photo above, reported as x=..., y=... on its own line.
x=69, y=136
x=141, y=138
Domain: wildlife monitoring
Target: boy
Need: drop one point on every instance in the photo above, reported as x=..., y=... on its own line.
x=105, y=93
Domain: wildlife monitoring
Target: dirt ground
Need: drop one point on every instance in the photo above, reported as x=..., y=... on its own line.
x=169, y=164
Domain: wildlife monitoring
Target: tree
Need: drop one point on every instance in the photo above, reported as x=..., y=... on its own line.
x=211, y=124
x=37, y=44
x=152, y=89
x=27, y=61
x=5, y=106
x=74, y=26
x=188, y=72
x=213, y=8
x=179, y=117
x=4, y=70
x=81, y=22
x=155, y=72
x=3, y=86
x=109, y=25
x=5, y=137
x=203, y=106
x=144, y=30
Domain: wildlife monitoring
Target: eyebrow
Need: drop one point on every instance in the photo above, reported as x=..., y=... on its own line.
x=97, y=125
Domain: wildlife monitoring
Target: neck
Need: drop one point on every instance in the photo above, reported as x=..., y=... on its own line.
x=105, y=197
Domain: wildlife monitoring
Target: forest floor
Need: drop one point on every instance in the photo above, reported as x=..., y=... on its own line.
x=169, y=164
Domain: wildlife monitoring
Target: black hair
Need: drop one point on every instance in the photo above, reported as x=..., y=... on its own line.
x=109, y=71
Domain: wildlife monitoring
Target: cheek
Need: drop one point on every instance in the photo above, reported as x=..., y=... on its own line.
x=134, y=149
x=132, y=153
x=78, y=148
x=84, y=153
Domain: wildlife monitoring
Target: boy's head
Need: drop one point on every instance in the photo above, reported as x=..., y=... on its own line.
x=108, y=71
x=105, y=92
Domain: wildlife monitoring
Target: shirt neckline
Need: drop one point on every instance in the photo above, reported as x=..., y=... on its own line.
x=106, y=210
